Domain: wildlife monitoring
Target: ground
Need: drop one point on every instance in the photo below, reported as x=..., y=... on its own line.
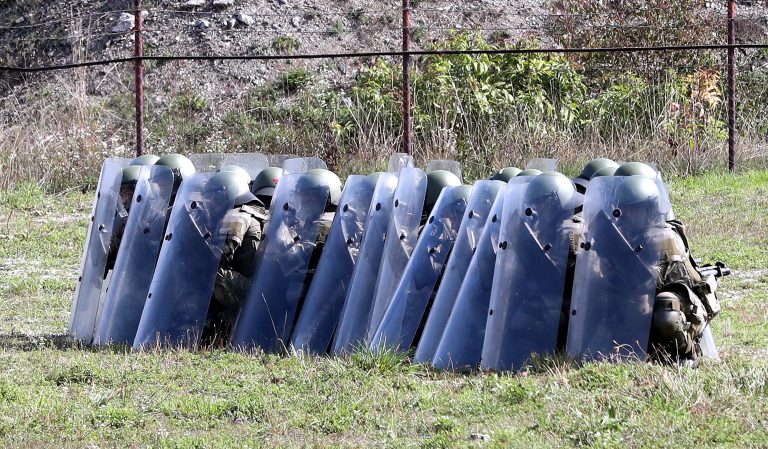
x=56, y=395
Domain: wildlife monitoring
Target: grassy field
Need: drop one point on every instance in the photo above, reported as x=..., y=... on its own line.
x=56, y=395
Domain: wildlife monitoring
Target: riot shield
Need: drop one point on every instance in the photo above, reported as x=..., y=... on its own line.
x=277, y=160
x=707, y=344
x=253, y=163
x=527, y=296
x=85, y=303
x=182, y=285
x=484, y=194
x=352, y=329
x=410, y=302
x=398, y=161
x=302, y=165
x=135, y=263
x=325, y=298
x=616, y=274
x=206, y=162
x=461, y=342
x=402, y=235
x=274, y=300
x=445, y=164
x=542, y=164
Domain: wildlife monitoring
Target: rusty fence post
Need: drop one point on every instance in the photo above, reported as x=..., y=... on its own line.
x=731, y=87
x=139, y=72
x=407, y=128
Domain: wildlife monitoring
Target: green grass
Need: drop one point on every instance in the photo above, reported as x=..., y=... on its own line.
x=56, y=395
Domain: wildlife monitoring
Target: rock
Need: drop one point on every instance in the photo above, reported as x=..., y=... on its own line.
x=20, y=20
x=123, y=23
x=245, y=19
x=230, y=23
x=479, y=437
x=296, y=21
x=193, y=4
x=202, y=24
x=223, y=3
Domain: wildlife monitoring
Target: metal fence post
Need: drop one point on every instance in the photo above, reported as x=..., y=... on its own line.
x=407, y=129
x=139, y=69
x=731, y=87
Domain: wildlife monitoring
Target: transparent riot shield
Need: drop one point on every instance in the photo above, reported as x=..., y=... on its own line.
x=253, y=163
x=398, y=161
x=402, y=234
x=527, y=297
x=542, y=164
x=411, y=300
x=476, y=214
x=85, y=304
x=182, y=285
x=616, y=274
x=135, y=263
x=207, y=162
x=461, y=342
x=267, y=316
x=708, y=345
x=302, y=165
x=352, y=329
x=277, y=160
x=445, y=164
x=325, y=298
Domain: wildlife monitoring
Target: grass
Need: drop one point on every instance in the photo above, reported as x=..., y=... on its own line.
x=55, y=395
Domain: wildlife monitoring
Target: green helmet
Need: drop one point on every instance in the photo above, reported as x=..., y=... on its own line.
x=130, y=174
x=147, y=159
x=332, y=181
x=266, y=181
x=181, y=166
x=375, y=176
x=551, y=186
x=239, y=171
x=436, y=180
x=637, y=190
x=595, y=165
x=530, y=172
x=605, y=171
x=505, y=174
x=233, y=183
x=635, y=168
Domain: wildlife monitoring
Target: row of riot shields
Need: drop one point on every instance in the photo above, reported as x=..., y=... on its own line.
x=492, y=276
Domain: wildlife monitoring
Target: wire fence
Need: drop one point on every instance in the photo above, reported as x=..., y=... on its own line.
x=589, y=42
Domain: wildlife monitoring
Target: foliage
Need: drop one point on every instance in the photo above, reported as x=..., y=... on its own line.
x=285, y=44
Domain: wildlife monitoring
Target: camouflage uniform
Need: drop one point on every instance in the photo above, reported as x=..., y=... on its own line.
x=243, y=228
x=694, y=304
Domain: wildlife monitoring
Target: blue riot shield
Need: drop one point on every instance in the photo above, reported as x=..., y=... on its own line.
x=181, y=288
x=135, y=263
x=325, y=298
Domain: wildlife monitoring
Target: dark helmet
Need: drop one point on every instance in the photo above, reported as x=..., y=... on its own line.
x=595, y=165
x=266, y=181
x=147, y=159
x=436, y=181
x=635, y=168
x=505, y=174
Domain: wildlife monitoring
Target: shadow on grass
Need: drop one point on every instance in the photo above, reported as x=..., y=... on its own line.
x=61, y=342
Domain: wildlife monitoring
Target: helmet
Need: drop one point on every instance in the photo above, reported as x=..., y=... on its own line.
x=637, y=190
x=635, y=168
x=551, y=186
x=266, y=181
x=594, y=165
x=505, y=174
x=605, y=171
x=374, y=177
x=530, y=172
x=232, y=183
x=332, y=181
x=147, y=159
x=130, y=174
x=436, y=180
x=239, y=171
x=181, y=166
x=637, y=203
